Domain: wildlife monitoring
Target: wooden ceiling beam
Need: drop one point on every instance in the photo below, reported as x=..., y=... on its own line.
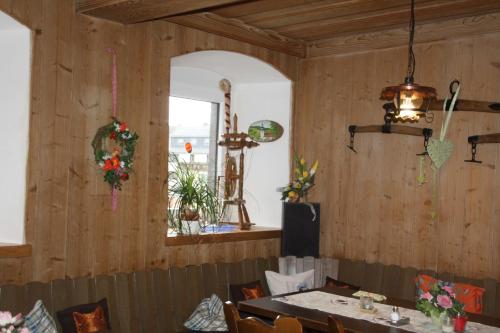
x=261, y=6
x=388, y=19
x=426, y=33
x=318, y=11
x=134, y=11
x=235, y=29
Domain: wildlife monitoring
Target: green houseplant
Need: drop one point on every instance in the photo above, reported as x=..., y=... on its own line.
x=192, y=203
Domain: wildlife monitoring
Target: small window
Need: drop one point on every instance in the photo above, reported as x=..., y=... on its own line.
x=193, y=134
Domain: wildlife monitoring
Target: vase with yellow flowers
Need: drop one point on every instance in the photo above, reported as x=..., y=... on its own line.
x=300, y=218
x=303, y=180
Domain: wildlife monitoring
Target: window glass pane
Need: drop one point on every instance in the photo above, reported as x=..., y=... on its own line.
x=193, y=129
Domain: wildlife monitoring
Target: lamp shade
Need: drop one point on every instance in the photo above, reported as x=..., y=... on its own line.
x=411, y=101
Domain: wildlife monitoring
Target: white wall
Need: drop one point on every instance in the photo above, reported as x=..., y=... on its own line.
x=259, y=92
x=15, y=65
x=266, y=166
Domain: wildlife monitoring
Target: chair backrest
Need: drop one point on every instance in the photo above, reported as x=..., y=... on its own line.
x=281, y=325
x=232, y=316
x=335, y=325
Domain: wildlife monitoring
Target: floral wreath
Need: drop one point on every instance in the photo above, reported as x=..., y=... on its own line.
x=117, y=164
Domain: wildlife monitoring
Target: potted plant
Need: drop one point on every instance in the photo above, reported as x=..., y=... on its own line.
x=192, y=203
x=300, y=220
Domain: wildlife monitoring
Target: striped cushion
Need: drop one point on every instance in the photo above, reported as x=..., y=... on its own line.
x=39, y=320
x=208, y=316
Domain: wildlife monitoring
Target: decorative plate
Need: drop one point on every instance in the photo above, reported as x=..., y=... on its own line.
x=265, y=131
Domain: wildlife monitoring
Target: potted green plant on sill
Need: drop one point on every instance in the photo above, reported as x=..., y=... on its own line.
x=192, y=204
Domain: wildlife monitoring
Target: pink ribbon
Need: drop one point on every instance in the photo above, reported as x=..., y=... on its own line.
x=114, y=190
x=114, y=199
x=113, y=80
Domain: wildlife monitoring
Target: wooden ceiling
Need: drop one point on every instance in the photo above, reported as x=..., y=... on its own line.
x=289, y=26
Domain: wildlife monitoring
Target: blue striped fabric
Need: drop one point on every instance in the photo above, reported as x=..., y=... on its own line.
x=39, y=320
x=208, y=316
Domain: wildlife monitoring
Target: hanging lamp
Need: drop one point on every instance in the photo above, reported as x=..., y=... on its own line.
x=411, y=101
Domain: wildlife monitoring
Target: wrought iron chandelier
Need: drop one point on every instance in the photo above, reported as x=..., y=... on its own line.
x=411, y=101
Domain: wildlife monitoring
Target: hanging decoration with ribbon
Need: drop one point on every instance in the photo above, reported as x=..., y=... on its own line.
x=116, y=163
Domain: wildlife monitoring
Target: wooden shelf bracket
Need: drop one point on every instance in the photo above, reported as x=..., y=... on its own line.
x=474, y=140
x=388, y=129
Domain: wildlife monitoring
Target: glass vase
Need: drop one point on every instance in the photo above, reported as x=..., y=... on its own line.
x=436, y=319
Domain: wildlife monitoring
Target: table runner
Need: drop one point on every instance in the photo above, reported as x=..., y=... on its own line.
x=349, y=307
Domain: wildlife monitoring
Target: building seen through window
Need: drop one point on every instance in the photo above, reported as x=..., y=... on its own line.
x=193, y=128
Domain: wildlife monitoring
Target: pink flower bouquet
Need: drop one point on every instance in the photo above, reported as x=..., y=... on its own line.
x=440, y=298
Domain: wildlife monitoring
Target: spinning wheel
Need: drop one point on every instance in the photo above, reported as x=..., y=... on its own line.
x=230, y=177
x=233, y=177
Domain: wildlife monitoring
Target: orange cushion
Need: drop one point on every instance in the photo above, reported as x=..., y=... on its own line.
x=90, y=322
x=469, y=295
x=252, y=293
x=424, y=283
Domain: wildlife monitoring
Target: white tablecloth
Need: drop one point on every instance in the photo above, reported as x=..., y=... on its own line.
x=349, y=307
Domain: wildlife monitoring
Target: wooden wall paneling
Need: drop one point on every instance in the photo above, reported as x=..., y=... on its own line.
x=235, y=273
x=81, y=171
x=194, y=282
x=105, y=287
x=11, y=298
x=273, y=263
x=65, y=291
x=352, y=271
x=69, y=219
x=223, y=281
x=408, y=288
x=164, y=300
x=262, y=265
x=373, y=277
x=127, y=319
x=29, y=15
x=50, y=145
x=249, y=270
x=34, y=291
x=143, y=289
x=488, y=205
x=391, y=282
x=157, y=136
x=341, y=70
x=209, y=281
x=180, y=288
x=480, y=224
x=366, y=187
x=497, y=298
x=440, y=73
x=394, y=225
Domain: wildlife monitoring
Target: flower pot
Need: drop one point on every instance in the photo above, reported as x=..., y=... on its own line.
x=300, y=229
x=190, y=227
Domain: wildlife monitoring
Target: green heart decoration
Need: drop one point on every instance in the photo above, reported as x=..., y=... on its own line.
x=439, y=151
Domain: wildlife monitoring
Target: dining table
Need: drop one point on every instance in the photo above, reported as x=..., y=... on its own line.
x=317, y=319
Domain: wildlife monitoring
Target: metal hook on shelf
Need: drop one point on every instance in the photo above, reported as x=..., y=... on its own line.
x=427, y=133
x=352, y=132
x=473, y=142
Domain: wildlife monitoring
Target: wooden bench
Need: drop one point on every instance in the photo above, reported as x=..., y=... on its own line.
x=161, y=300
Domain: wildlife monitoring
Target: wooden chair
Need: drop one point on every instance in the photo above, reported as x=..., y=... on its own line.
x=232, y=316
x=281, y=325
x=335, y=325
